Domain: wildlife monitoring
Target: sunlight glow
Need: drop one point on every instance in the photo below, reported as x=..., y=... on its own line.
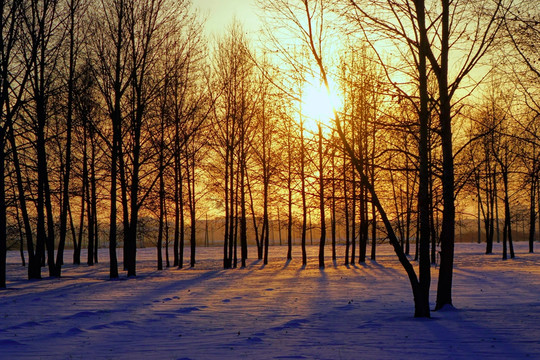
x=318, y=105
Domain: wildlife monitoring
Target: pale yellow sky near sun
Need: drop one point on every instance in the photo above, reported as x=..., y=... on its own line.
x=221, y=12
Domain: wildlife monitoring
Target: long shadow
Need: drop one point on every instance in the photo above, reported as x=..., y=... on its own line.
x=286, y=265
x=460, y=325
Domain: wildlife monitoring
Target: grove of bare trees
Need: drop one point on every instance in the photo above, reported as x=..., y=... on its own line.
x=121, y=117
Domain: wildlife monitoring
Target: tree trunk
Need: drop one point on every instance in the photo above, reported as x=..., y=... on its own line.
x=353, y=215
x=93, y=200
x=243, y=212
x=3, y=212
x=346, y=210
x=113, y=266
x=34, y=263
x=45, y=229
x=303, y=190
x=333, y=223
x=321, y=201
x=507, y=216
x=190, y=171
x=421, y=298
x=69, y=121
x=266, y=223
x=446, y=269
x=90, y=215
x=532, y=213
x=161, y=210
x=289, y=191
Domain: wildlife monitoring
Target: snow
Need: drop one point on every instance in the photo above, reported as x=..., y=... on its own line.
x=278, y=311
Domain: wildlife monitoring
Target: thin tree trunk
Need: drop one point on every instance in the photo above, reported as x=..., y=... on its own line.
x=69, y=120
x=3, y=212
x=321, y=201
x=161, y=209
x=90, y=215
x=34, y=263
x=303, y=191
x=346, y=206
x=93, y=195
x=19, y=225
x=289, y=192
x=532, y=213
x=243, y=212
x=190, y=171
x=333, y=223
x=167, y=258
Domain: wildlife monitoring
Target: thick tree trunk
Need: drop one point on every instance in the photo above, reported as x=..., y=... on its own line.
x=444, y=289
x=446, y=269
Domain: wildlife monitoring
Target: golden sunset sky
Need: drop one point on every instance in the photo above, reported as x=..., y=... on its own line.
x=220, y=13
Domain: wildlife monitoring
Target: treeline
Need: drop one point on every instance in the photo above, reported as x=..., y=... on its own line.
x=115, y=111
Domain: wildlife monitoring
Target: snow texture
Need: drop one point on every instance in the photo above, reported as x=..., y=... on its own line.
x=278, y=311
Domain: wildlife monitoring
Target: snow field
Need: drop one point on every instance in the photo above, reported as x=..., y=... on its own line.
x=278, y=311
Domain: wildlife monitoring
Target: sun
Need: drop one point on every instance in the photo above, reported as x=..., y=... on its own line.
x=318, y=105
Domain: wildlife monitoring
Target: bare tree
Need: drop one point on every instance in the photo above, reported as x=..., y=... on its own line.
x=127, y=49
x=15, y=71
x=75, y=38
x=523, y=29
x=113, y=81
x=42, y=27
x=233, y=114
x=307, y=20
x=435, y=31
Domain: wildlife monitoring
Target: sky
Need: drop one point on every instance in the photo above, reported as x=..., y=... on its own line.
x=222, y=12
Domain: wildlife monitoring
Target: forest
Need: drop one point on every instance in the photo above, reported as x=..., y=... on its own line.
x=123, y=125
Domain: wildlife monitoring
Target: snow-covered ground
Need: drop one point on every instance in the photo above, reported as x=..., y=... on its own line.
x=278, y=311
